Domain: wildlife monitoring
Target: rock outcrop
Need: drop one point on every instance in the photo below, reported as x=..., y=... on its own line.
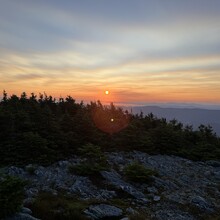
x=182, y=190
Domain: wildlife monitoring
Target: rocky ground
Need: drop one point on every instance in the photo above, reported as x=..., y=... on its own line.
x=183, y=189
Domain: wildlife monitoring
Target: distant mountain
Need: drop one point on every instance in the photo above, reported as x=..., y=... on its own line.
x=192, y=116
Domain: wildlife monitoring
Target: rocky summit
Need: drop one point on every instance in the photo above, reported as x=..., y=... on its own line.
x=180, y=189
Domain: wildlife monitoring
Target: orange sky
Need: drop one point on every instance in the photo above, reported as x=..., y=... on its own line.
x=144, y=81
x=154, y=51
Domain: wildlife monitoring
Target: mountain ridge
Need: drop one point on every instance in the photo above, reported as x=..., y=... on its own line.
x=187, y=116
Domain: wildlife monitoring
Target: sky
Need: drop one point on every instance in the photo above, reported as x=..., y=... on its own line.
x=141, y=51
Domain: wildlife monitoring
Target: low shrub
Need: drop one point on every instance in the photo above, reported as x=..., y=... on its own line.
x=86, y=169
x=11, y=195
x=139, y=173
x=51, y=207
x=90, y=151
x=95, y=161
x=31, y=169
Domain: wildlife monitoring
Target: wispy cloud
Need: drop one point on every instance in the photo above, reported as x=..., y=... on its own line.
x=140, y=50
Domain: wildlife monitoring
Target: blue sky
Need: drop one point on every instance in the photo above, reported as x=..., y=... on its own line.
x=140, y=50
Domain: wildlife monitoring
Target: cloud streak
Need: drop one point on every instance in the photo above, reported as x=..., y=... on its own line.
x=140, y=50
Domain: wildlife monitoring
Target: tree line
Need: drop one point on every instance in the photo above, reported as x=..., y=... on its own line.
x=41, y=129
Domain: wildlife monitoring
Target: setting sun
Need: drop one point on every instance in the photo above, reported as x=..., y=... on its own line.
x=106, y=92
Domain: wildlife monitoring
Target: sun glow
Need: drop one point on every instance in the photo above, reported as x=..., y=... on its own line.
x=107, y=92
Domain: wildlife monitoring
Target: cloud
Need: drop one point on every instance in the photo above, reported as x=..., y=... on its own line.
x=141, y=50
x=30, y=76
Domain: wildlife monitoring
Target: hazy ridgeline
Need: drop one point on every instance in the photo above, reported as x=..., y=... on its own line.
x=191, y=115
x=42, y=130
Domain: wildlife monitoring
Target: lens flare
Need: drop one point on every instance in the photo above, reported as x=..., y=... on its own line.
x=108, y=121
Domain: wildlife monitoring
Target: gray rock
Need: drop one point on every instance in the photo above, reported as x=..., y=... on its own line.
x=40, y=171
x=28, y=201
x=63, y=163
x=184, y=179
x=21, y=216
x=15, y=171
x=217, y=175
x=202, y=204
x=26, y=210
x=106, y=195
x=131, y=211
x=103, y=211
x=86, y=189
x=177, y=197
x=165, y=184
x=116, y=158
x=152, y=189
x=156, y=198
x=115, y=179
x=82, y=185
x=213, y=163
x=31, y=192
x=174, y=214
x=207, y=173
x=180, y=182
